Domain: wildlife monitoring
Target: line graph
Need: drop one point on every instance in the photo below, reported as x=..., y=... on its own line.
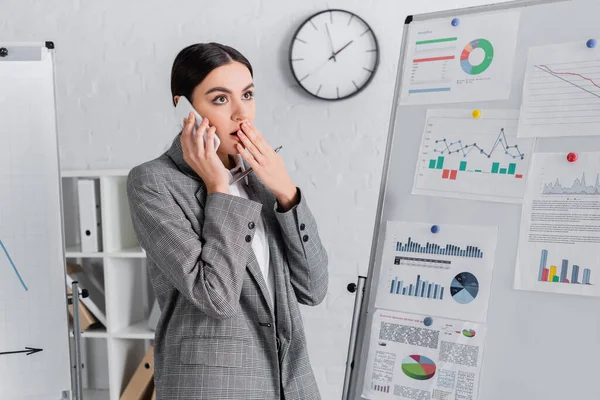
x=561, y=93
x=473, y=157
x=579, y=187
x=547, y=69
x=13, y=265
x=466, y=149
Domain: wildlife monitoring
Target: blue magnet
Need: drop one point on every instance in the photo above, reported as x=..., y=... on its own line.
x=591, y=43
x=455, y=22
x=428, y=321
x=435, y=229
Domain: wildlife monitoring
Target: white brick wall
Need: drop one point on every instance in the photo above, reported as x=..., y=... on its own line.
x=113, y=59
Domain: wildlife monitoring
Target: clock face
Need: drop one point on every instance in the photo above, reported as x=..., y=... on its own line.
x=334, y=54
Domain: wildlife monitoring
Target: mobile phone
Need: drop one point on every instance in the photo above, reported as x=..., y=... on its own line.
x=183, y=109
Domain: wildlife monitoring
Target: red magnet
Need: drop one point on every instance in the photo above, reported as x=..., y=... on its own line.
x=572, y=157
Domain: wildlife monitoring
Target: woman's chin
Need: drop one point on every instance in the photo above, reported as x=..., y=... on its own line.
x=229, y=148
x=234, y=148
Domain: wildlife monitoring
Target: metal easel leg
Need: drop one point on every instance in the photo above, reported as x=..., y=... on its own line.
x=74, y=299
x=359, y=289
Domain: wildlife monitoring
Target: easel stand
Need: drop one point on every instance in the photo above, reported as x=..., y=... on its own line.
x=74, y=300
x=360, y=291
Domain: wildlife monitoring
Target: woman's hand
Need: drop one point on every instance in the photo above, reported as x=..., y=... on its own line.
x=203, y=157
x=267, y=165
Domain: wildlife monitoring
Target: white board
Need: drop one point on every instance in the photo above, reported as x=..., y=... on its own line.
x=33, y=308
x=536, y=345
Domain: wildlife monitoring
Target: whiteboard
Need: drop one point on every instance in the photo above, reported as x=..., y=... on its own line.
x=538, y=345
x=33, y=307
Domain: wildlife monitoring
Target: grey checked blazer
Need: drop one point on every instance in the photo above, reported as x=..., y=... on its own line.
x=219, y=337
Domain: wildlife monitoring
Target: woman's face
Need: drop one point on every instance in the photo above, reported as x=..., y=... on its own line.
x=226, y=98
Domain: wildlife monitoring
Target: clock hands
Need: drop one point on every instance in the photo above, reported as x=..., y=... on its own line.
x=332, y=57
x=318, y=68
x=330, y=41
x=338, y=52
x=335, y=53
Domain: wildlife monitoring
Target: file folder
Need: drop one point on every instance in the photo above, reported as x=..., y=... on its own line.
x=89, y=215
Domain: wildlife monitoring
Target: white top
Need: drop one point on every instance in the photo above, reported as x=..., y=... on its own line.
x=260, y=245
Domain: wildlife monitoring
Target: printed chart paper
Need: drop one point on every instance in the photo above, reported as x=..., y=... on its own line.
x=446, y=274
x=561, y=94
x=473, y=158
x=418, y=357
x=559, y=243
x=469, y=62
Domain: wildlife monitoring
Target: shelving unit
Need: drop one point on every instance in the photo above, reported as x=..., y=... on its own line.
x=112, y=353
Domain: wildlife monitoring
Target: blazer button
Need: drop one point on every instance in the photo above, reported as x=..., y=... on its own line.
x=305, y=238
x=248, y=238
x=251, y=225
x=302, y=227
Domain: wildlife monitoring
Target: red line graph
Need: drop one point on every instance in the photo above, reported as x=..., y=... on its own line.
x=570, y=74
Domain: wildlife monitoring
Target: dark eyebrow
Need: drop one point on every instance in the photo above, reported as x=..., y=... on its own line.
x=225, y=90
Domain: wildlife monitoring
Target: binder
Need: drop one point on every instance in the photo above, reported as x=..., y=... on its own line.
x=154, y=316
x=141, y=385
x=89, y=215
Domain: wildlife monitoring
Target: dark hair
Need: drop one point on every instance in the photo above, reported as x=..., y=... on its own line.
x=196, y=61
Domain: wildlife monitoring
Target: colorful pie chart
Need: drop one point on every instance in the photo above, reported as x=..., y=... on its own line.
x=468, y=332
x=418, y=367
x=464, y=288
x=488, y=51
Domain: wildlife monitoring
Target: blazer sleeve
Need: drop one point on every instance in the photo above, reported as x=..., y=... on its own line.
x=306, y=255
x=210, y=273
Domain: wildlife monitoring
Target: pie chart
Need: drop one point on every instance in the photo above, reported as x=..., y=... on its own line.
x=488, y=50
x=468, y=332
x=418, y=367
x=464, y=288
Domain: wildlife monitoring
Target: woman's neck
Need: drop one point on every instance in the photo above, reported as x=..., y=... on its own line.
x=227, y=160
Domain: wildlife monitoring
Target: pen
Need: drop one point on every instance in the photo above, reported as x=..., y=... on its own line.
x=246, y=172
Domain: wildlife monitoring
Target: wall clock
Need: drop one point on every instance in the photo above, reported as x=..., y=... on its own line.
x=334, y=54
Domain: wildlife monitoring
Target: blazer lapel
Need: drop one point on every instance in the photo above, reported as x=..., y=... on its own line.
x=257, y=274
x=258, y=192
x=277, y=257
x=201, y=194
x=175, y=152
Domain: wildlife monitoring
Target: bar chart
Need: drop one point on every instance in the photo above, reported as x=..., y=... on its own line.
x=495, y=168
x=411, y=246
x=381, y=388
x=431, y=70
x=420, y=288
x=551, y=274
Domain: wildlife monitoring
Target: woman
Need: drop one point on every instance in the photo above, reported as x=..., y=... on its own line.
x=229, y=263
